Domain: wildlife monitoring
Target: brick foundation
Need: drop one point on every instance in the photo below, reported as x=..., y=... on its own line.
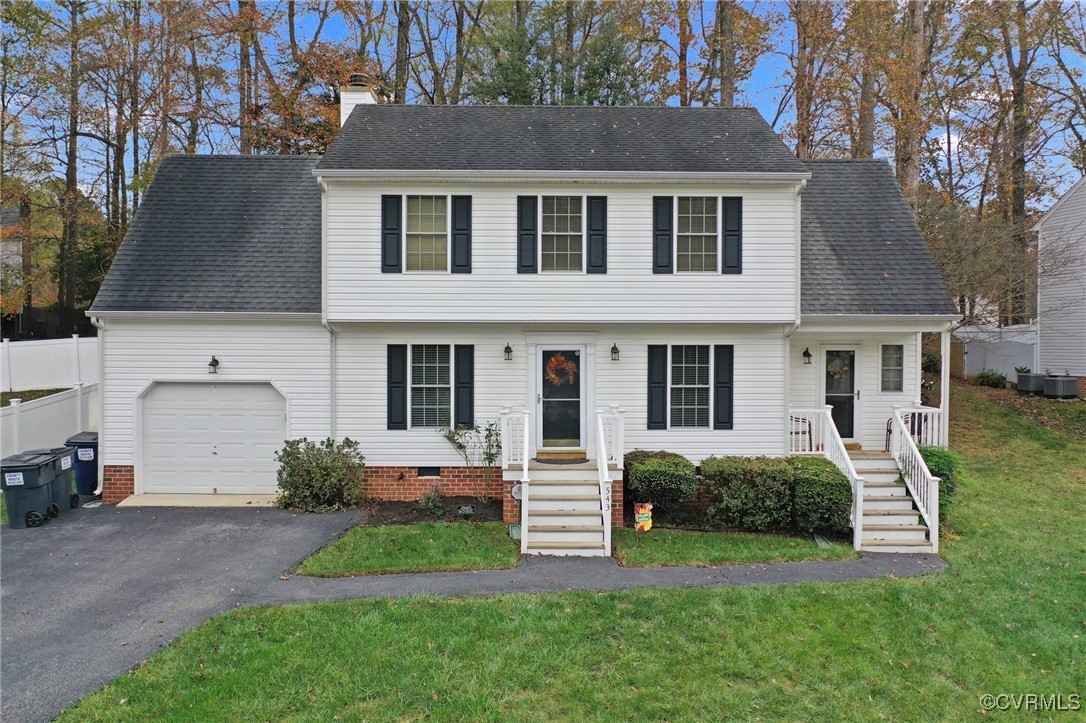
x=118, y=482
x=1080, y=382
x=386, y=483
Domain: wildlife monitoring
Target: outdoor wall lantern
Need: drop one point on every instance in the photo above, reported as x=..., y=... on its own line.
x=614, y=352
x=508, y=352
x=807, y=355
x=213, y=365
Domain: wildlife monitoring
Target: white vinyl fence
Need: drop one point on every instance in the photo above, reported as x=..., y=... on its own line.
x=998, y=349
x=48, y=421
x=48, y=363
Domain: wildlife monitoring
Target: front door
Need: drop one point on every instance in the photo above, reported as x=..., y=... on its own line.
x=560, y=384
x=841, y=389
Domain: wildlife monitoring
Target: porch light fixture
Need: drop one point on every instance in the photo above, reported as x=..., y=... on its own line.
x=213, y=365
x=508, y=353
x=807, y=356
x=614, y=352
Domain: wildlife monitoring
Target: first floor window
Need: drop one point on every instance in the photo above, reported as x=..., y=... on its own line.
x=563, y=234
x=427, y=233
x=431, y=392
x=690, y=386
x=696, y=246
x=893, y=367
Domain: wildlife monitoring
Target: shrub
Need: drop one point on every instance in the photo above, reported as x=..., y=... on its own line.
x=929, y=362
x=750, y=494
x=943, y=463
x=320, y=476
x=823, y=496
x=990, y=378
x=1021, y=370
x=663, y=478
x=431, y=503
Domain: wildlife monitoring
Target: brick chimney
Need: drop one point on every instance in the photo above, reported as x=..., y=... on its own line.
x=359, y=91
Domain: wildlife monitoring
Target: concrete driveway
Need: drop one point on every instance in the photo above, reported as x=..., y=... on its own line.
x=94, y=592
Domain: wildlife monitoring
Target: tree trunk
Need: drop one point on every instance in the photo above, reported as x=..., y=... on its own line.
x=403, y=42
x=134, y=112
x=70, y=207
x=910, y=132
x=1019, y=135
x=682, y=8
x=192, y=137
x=245, y=75
x=865, y=117
x=802, y=81
x=726, y=51
x=27, y=248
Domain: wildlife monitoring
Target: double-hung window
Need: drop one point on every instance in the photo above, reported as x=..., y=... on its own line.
x=690, y=386
x=562, y=247
x=893, y=368
x=697, y=237
x=431, y=387
x=427, y=247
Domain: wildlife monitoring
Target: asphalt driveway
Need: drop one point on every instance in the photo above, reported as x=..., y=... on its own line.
x=92, y=593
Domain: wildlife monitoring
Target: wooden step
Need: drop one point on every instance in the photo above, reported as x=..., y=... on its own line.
x=563, y=482
x=869, y=454
x=565, y=528
x=544, y=455
x=887, y=503
x=890, y=517
x=911, y=546
x=566, y=513
x=565, y=545
x=563, y=498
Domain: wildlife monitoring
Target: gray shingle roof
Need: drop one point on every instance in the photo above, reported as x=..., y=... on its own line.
x=222, y=233
x=553, y=138
x=862, y=252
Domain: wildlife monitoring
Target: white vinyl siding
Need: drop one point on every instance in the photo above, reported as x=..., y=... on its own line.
x=891, y=375
x=427, y=247
x=697, y=235
x=562, y=238
x=494, y=292
x=431, y=386
x=689, y=388
x=1061, y=297
x=292, y=355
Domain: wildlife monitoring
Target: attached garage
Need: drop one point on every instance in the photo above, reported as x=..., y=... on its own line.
x=211, y=438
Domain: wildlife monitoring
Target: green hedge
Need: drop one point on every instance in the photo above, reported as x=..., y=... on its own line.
x=664, y=478
x=749, y=493
x=944, y=464
x=822, y=496
x=320, y=476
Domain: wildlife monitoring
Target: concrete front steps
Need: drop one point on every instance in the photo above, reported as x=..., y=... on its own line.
x=891, y=521
x=565, y=514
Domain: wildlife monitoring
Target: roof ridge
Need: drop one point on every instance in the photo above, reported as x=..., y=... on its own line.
x=492, y=106
x=291, y=156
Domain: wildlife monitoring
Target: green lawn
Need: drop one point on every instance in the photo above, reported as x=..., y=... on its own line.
x=425, y=547
x=27, y=395
x=1008, y=617
x=660, y=547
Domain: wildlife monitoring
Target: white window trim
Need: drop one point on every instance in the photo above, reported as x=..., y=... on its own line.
x=584, y=232
x=882, y=369
x=719, y=235
x=712, y=384
x=448, y=232
x=411, y=384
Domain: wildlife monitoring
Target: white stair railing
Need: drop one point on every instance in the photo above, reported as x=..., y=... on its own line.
x=925, y=425
x=922, y=485
x=525, y=455
x=812, y=432
x=609, y=431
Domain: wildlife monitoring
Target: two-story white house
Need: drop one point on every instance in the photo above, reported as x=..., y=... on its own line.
x=596, y=279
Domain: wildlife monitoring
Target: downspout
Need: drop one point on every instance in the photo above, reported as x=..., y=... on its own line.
x=795, y=324
x=97, y=322
x=324, y=311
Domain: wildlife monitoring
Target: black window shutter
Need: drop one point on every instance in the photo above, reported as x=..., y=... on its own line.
x=464, y=393
x=723, y=385
x=526, y=234
x=597, y=235
x=461, y=234
x=391, y=234
x=662, y=234
x=658, y=386
x=397, y=386
x=733, y=236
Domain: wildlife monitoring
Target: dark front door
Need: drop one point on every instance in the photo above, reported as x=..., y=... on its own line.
x=841, y=390
x=560, y=382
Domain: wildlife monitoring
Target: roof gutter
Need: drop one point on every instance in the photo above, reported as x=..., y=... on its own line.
x=431, y=175
x=206, y=315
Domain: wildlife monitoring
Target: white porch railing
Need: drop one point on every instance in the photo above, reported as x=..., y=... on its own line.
x=516, y=452
x=918, y=478
x=610, y=427
x=925, y=425
x=812, y=432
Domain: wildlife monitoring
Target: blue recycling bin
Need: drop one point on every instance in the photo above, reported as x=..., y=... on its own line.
x=86, y=461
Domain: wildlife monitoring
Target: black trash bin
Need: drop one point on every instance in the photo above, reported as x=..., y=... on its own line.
x=61, y=493
x=25, y=481
x=86, y=461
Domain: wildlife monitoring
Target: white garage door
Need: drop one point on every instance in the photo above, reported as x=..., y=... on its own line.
x=212, y=438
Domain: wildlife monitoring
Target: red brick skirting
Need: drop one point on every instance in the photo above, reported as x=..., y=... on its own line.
x=404, y=484
x=1080, y=382
x=118, y=482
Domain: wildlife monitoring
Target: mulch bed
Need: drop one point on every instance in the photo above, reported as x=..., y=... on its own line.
x=383, y=512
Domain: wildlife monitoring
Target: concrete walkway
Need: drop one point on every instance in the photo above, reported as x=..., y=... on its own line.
x=93, y=593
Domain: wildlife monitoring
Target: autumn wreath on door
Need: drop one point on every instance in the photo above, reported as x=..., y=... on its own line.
x=560, y=370
x=838, y=367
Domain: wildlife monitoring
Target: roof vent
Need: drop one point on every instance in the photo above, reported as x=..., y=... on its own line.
x=359, y=79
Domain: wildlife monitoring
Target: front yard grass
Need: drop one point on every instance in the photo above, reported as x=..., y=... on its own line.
x=660, y=547
x=424, y=547
x=1007, y=617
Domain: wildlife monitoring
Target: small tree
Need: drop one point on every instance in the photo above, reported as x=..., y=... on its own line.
x=478, y=447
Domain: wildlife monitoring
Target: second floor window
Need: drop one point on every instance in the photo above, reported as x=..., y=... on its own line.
x=427, y=233
x=696, y=247
x=563, y=234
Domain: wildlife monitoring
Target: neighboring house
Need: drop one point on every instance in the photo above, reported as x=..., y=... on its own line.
x=599, y=279
x=1061, y=287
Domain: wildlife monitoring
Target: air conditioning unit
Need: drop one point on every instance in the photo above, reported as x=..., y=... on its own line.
x=1060, y=388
